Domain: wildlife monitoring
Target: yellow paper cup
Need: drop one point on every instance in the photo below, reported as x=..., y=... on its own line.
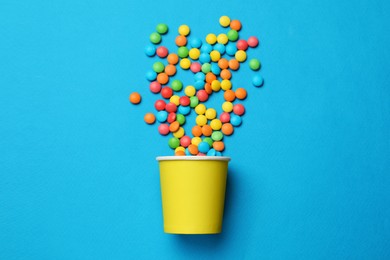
x=193, y=193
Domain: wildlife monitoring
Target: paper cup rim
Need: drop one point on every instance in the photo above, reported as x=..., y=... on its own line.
x=193, y=158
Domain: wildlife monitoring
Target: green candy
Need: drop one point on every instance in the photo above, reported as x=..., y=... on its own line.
x=162, y=28
x=232, y=35
x=158, y=66
x=181, y=119
x=254, y=64
x=155, y=38
x=206, y=67
x=217, y=136
x=208, y=140
x=194, y=101
x=173, y=142
x=176, y=85
x=183, y=52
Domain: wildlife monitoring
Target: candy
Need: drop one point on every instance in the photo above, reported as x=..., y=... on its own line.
x=180, y=153
x=173, y=142
x=175, y=99
x=176, y=85
x=181, y=40
x=219, y=146
x=222, y=38
x=217, y=136
x=238, y=109
x=190, y=91
x=184, y=101
x=158, y=66
x=160, y=105
x=202, y=95
x=196, y=130
x=227, y=106
x=207, y=130
x=216, y=124
x=171, y=117
x=240, y=55
x=211, y=152
x=181, y=119
x=215, y=85
x=149, y=118
x=155, y=87
x=194, y=101
x=209, y=141
x=231, y=49
x=173, y=58
x=203, y=147
x=179, y=133
x=199, y=76
x=232, y=35
x=150, y=50
x=240, y=93
x=242, y=45
x=185, y=63
x=195, y=67
x=254, y=64
x=253, y=41
x=227, y=129
x=224, y=117
x=223, y=63
x=163, y=129
x=162, y=78
x=182, y=52
x=174, y=126
x=155, y=38
x=201, y=120
x=215, y=69
x=151, y=75
x=234, y=64
x=195, y=42
x=184, y=110
x=226, y=84
x=204, y=57
x=185, y=141
x=162, y=28
x=171, y=107
x=166, y=92
x=235, y=120
x=207, y=48
x=226, y=74
x=210, y=113
x=229, y=95
x=235, y=25
x=257, y=81
x=211, y=38
x=193, y=149
x=224, y=21
x=184, y=30
x=170, y=70
x=162, y=52
x=162, y=116
x=200, y=109
x=220, y=48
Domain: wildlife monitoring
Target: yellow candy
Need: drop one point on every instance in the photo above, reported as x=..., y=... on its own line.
x=222, y=38
x=226, y=84
x=224, y=21
x=211, y=38
x=196, y=140
x=190, y=91
x=215, y=85
x=185, y=63
x=175, y=99
x=194, y=53
x=201, y=120
x=179, y=133
x=211, y=113
x=227, y=106
x=216, y=124
x=184, y=30
x=240, y=55
x=215, y=55
x=200, y=109
x=180, y=148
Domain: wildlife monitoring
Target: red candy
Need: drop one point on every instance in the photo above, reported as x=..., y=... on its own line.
x=202, y=95
x=242, y=45
x=253, y=41
x=155, y=87
x=185, y=141
x=184, y=101
x=166, y=92
x=162, y=52
x=163, y=129
x=195, y=67
x=224, y=117
x=238, y=109
x=171, y=117
x=160, y=105
x=171, y=107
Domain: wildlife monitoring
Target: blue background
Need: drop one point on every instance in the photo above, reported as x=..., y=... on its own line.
x=309, y=176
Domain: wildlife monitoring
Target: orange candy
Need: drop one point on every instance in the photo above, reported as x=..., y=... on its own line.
x=226, y=74
x=162, y=78
x=180, y=153
x=219, y=146
x=170, y=70
x=210, y=77
x=229, y=95
x=181, y=40
x=235, y=25
x=240, y=93
x=207, y=130
x=234, y=64
x=227, y=129
x=197, y=131
x=207, y=87
x=173, y=58
x=135, y=98
x=174, y=126
x=193, y=149
x=223, y=63
x=149, y=118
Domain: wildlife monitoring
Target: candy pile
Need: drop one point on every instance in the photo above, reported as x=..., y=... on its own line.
x=212, y=63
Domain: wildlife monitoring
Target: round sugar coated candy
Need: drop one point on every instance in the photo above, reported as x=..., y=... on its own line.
x=162, y=28
x=201, y=120
x=226, y=84
x=171, y=107
x=211, y=152
x=208, y=89
x=179, y=133
x=257, y=81
x=150, y=50
x=171, y=117
x=254, y=64
x=224, y=117
x=155, y=87
x=231, y=49
x=199, y=76
x=162, y=78
x=155, y=38
x=216, y=124
x=209, y=141
x=185, y=64
x=222, y=38
x=195, y=67
x=194, y=101
x=220, y=48
x=203, y=147
x=229, y=95
x=182, y=52
x=232, y=35
x=195, y=42
x=235, y=25
x=215, y=69
x=189, y=91
x=135, y=98
x=180, y=148
x=176, y=85
x=207, y=130
x=160, y=105
x=185, y=141
x=173, y=58
x=162, y=116
x=199, y=84
x=184, y=110
x=253, y=41
x=227, y=129
x=184, y=101
x=162, y=52
x=196, y=130
x=240, y=93
x=149, y=118
x=204, y=58
x=224, y=21
x=235, y=120
x=181, y=40
x=216, y=85
x=181, y=119
x=184, y=30
x=207, y=48
x=175, y=99
x=219, y=146
x=211, y=113
x=166, y=92
x=223, y=63
x=234, y=64
x=158, y=66
x=226, y=74
x=227, y=106
x=193, y=149
x=196, y=140
x=240, y=55
x=202, y=95
x=210, y=77
x=242, y=45
x=163, y=129
x=180, y=153
x=173, y=142
x=151, y=75
x=217, y=136
x=170, y=70
x=194, y=53
x=211, y=38
x=238, y=109
x=200, y=109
